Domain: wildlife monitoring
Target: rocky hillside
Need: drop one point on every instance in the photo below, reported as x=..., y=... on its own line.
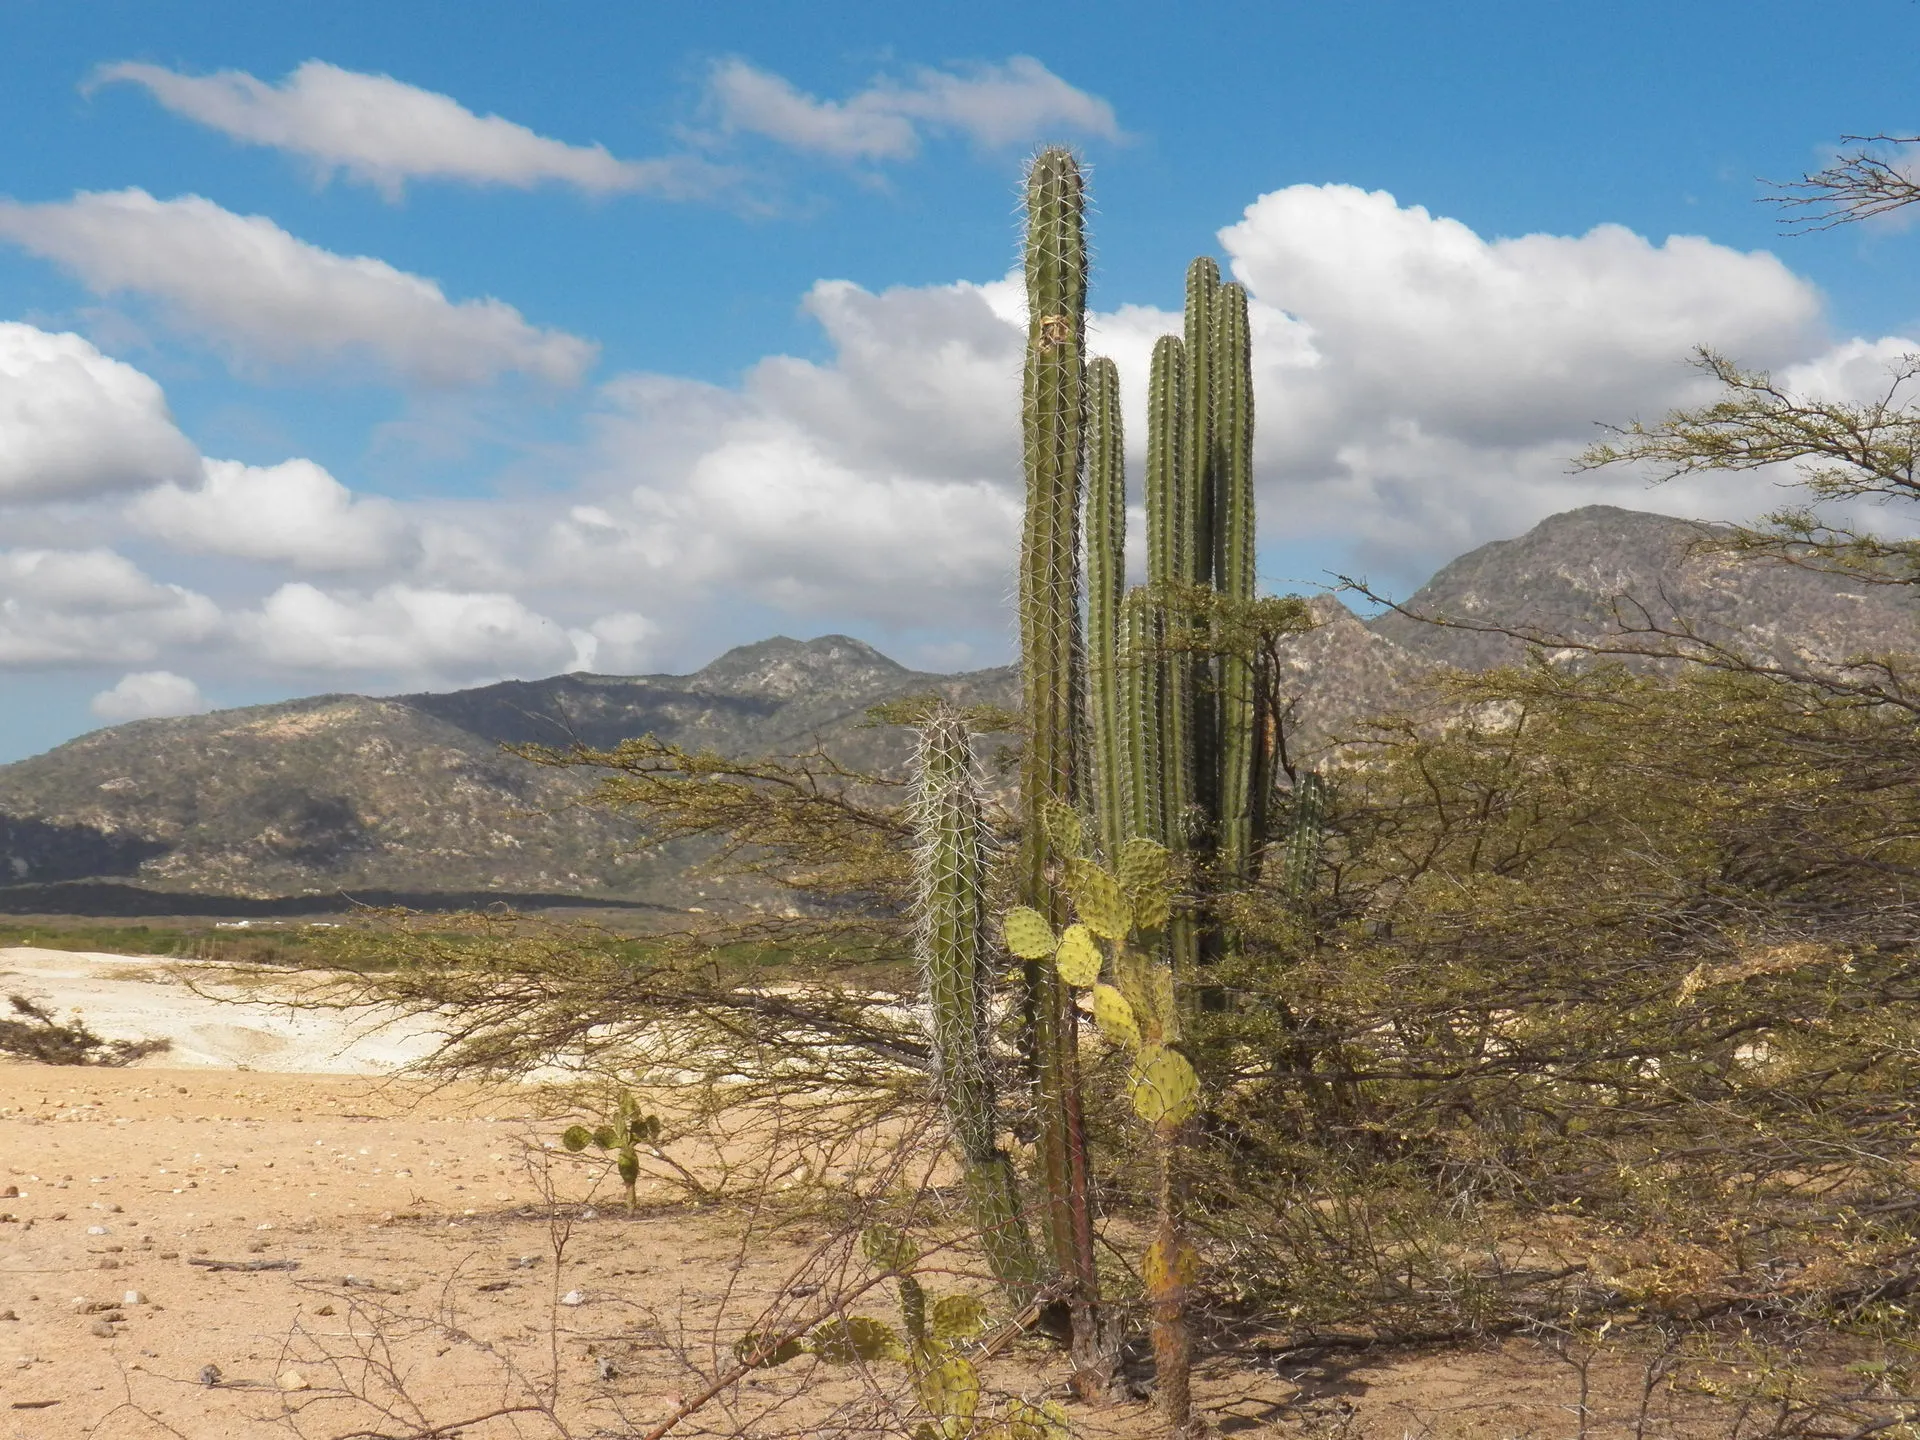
x=413, y=794
x=1572, y=572
x=343, y=793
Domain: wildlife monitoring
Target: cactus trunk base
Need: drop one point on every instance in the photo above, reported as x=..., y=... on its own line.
x=993, y=1200
x=1167, y=1285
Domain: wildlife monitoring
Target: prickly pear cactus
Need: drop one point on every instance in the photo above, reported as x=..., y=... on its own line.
x=933, y=1340
x=1119, y=933
x=1120, y=913
x=629, y=1132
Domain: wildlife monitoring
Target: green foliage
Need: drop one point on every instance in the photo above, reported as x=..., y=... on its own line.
x=1619, y=964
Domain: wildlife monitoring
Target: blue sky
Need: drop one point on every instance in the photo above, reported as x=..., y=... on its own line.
x=316, y=375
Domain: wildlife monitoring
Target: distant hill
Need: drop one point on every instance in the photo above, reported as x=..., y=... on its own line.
x=1566, y=574
x=413, y=796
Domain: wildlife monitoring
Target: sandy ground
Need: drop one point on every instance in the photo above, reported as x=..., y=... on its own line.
x=434, y=1260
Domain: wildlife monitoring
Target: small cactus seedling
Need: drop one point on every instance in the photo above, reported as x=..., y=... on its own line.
x=932, y=1340
x=624, y=1137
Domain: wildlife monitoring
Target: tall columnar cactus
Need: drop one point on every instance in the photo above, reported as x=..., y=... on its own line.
x=950, y=886
x=1305, y=835
x=1195, y=756
x=1169, y=548
x=1140, y=675
x=1199, y=467
x=1198, y=431
x=1236, y=738
x=1053, y=414
x=1106, y=588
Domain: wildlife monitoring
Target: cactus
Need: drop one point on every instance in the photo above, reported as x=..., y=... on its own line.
x=1116, y=931
x=1193, y=750
x=1197, y=450
x=623, y=1137
x=1140, y=675
x=1305, y=831
x=950, y=893
x=938, y=1333
x=1106, y=586
x=1052, y=413
x=1236, y=747
x=1171, y=756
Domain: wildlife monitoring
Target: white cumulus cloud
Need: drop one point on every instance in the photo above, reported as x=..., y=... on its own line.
x=1019, y=101
x=884, y=482
x=385, y=132
x=148, y=695
x=74, y=422
x=266, y=297
x=407, y=631
x=294, y=512
x=91, y=607
x=1423, y=388
x=621, y=643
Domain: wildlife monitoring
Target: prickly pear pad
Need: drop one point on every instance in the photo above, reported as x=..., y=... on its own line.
x=1165, y=1091
x=1029, y=936
x=1098, y=900
x=1078, y=958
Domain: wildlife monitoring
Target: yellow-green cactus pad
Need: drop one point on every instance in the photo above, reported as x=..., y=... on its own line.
x=764, y=1351
x=949, y=1389
x=1047, y=1421
x=1165, y=1091
x=958, y=1317
x=1142, y=866
x=888, y=1249
x=1028, y=934
x=1130, y=974
x=1159, y=1011
x=1078, y=957
x=1066, y=831
x=858, y=1337
x=1152, y=907
x=1114, y=1016
x=1097, y=896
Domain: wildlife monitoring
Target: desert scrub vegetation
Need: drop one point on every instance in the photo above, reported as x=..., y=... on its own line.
x=1580, y=1002
x=32, y=1032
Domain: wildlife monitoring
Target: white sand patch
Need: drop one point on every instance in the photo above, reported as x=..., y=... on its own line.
x=214, y=1022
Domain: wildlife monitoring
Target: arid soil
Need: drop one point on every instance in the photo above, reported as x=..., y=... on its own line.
x=424, y=1256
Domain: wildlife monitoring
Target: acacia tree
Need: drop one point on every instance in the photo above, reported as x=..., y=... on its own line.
x=1873, y=178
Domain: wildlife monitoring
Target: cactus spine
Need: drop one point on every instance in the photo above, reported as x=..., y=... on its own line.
x=1106, y=586
x=1053, y=413
x=950, y=891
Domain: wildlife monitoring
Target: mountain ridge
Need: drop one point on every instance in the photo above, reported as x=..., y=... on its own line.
x=415, y=794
